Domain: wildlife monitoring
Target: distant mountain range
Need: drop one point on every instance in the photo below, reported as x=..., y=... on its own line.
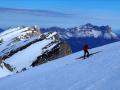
x=118, y=33
x=1, y=30
x=91, y=34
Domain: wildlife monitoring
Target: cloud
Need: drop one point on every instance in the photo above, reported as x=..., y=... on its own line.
x=45, y=13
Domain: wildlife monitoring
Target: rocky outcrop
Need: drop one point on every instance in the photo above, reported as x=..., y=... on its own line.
x=52, y=48
x=60, y=50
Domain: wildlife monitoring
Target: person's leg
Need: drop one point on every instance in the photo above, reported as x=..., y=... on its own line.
x=84, y=54
x=88, y=54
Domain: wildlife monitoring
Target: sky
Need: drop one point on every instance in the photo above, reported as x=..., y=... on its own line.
x=98, y=12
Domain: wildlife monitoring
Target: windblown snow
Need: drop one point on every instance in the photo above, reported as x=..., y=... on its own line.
x=98, y=72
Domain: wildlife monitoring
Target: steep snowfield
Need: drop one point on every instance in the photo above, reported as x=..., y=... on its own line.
x=24, y=58
x=11, y=33
x=99, y=72
x=10, y=42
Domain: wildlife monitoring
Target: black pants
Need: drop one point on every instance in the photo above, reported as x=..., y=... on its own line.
x=86, y=53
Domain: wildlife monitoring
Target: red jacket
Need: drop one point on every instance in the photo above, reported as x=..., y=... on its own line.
x=86, y=47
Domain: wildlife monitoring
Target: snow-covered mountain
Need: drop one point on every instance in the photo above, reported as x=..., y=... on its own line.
x=118, y=32
x=15, y=38
x=93, y=35
x=24, y=47
x=98, y=72
x=87, y=30
x=1, y=30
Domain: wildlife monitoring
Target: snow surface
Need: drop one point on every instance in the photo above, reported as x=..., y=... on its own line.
x=4, y=72
x=51, y=35
x=9, y=36
x=99, y=72
x=24, y=58
x=9, y=31
x=96, y=33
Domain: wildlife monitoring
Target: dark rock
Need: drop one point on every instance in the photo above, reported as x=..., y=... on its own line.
x=60, y=50
x=8, y=66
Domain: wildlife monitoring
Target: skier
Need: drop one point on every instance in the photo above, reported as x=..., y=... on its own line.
x=86, y=52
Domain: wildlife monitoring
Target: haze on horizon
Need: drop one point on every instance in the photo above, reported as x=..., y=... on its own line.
x=63, y=13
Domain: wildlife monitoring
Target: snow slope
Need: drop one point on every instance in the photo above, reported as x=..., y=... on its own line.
x=10, y=39
x=24, y=58
x=99, y=72
x=4, y=72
